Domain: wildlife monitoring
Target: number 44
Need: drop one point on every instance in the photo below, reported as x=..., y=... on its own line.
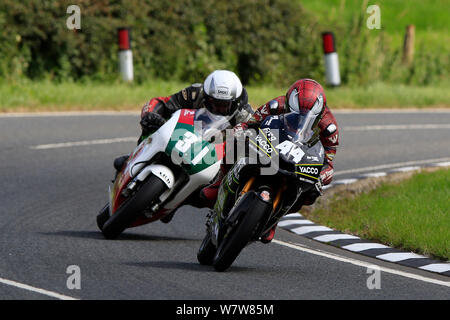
x=289, y=149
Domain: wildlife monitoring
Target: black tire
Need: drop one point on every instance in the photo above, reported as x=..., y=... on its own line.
x=103, y=216
x=206, y=252
x=130, y=210
x=238, y=238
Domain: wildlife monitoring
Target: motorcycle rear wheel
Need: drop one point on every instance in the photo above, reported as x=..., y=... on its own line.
x=133, y=207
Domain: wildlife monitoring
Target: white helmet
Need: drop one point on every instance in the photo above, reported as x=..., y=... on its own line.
x=222, y=90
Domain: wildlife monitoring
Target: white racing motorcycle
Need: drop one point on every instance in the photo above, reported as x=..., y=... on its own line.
x=166, y=168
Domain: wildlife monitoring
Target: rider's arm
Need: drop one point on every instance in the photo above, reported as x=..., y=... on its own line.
x=155, y=105
x=188, y=98
x=273, y=107
x=155, y=112
x=329, y=136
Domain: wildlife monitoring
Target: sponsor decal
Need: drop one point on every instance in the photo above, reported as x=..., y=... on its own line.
x=262, y=142
x=312, y=158
x=163, y=176
x=309, y=170
x=333, y=139
x=223, y=92
x=331, y=128
x=264, y=110
x=269, y=135
x=187, y=117
x=326, y=174
x=306, y=180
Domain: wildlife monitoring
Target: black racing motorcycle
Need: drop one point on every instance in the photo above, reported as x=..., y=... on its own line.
x=256, y=193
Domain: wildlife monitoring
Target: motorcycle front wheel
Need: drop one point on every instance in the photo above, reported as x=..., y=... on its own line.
x=103, y=216
x=239, y=236
x=133, y=207
x=206, y=252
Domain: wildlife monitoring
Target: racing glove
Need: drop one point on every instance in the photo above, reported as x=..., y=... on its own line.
x=151, y=122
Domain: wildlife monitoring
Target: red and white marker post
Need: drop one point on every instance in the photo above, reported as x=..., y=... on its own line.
x=125, y=54
x=333, y=77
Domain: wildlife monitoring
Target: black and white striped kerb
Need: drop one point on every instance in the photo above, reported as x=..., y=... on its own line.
x=298, y=224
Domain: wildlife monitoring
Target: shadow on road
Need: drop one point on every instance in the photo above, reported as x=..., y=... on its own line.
x=123, y=237
x=178, y=265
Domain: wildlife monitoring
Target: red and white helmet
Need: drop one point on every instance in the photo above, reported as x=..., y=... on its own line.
x=303, y=94
x=307, y=99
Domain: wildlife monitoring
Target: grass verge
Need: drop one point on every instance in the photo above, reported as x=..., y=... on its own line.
x=30, y=96
x=407, y=211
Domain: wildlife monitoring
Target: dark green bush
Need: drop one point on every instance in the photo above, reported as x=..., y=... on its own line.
x=262, y=40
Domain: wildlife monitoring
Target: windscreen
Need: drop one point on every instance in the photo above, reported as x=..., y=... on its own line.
x=300, y=125
x=210, y=124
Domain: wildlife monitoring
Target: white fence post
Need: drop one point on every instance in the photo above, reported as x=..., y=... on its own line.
x=125, y=54
x=333, y=77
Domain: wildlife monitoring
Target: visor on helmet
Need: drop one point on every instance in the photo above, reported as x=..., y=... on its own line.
x=217, y=106
x=303, y=126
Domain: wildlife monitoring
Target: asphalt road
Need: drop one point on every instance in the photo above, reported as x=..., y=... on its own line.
x=50, y=198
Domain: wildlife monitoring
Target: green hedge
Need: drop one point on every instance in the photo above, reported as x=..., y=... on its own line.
x=264, y=41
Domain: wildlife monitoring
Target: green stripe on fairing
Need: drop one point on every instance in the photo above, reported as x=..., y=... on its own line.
x=189, y=155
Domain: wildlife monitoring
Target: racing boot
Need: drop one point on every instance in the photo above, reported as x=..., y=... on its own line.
x=208, y=195
x=120, y=161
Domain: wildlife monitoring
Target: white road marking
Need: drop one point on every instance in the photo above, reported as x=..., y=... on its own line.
x=357, y=247
x=443, y=164
x=304, y=230
x=374, y=175
x=399, y=256
x=37, y=290
x=437, y=267
x=345, y=181
x=138, y=112
x=406, y=169
x=391, y=111
x=397, y=127
x=392, y=165
x=81, y=143
x=68, y=114
x=284, y=222
x=361, y=263
x=334, y=237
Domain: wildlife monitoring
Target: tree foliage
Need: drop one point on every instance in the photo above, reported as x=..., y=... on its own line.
x=261, y=40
